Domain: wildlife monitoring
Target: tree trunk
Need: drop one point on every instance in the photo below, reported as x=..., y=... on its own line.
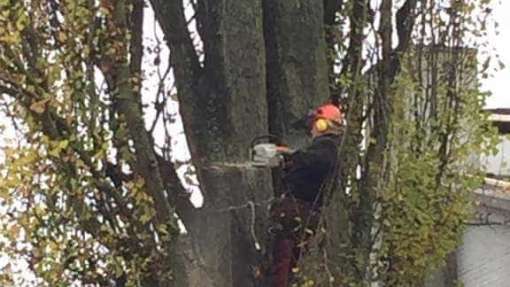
x=297, y=70
x=233, y=110
x=231, y=225
x=227, y=102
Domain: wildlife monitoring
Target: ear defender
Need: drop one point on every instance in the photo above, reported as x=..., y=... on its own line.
x=321, y=125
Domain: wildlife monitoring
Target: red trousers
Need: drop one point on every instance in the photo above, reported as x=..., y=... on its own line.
x=292, y=215
x=283, y=262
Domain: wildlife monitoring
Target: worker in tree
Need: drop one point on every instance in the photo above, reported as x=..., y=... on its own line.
x=305, y=172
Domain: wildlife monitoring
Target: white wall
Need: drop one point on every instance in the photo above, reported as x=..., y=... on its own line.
x=500, y=163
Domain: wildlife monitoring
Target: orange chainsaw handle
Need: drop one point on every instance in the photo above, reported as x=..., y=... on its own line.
x=283, y=149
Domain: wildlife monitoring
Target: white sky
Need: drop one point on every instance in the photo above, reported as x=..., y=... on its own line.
x=499, y=84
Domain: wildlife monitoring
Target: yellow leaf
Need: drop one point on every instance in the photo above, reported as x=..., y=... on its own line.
x=62, y=37
x=39, y=106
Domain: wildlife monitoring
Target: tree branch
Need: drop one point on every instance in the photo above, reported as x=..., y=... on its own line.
x=170, y=15
x=179, y=197
x=385, y=69
x=136, y=46
x=405, y=20
x=128, y=105
x=331, y=7
x=187, y=69
x=353, y=61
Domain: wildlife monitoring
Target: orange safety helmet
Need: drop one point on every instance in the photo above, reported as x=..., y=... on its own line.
x=322, y=118
x=329, y=112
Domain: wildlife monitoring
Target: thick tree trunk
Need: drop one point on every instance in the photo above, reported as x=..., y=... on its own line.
x=225, y=105
x=228, y=108
x=297, y=70
x=231, y=226
x=236, y=62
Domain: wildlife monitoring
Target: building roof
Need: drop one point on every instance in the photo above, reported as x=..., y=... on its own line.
x=499, y=111
x=501, y=119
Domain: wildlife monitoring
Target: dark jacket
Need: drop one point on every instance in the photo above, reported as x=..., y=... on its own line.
x=309, y=168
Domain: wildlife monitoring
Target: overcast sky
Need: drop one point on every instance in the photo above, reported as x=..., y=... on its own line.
x=499, y=85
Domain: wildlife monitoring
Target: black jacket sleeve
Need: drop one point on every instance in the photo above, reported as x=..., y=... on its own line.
x=308, y=168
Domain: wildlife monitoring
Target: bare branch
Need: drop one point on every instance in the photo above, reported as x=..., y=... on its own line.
x=136, y=47
x=170, y=15
x=128, y=105
x=405, y=19
x=353, y=61
x=405, y=22
x=331, y=8
x=160, y=104
x=179, y=196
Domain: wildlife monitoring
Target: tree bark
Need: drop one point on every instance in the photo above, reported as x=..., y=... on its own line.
x=297, y=70
x=227, y=102
x=224, y=106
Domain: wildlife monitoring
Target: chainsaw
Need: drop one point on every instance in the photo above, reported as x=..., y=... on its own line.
x=267, y=151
